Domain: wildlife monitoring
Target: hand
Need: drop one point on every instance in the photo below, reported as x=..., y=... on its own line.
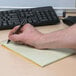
x=27, y=35
x=30, y=36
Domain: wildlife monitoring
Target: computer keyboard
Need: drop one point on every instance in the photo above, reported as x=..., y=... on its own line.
x=39, y=16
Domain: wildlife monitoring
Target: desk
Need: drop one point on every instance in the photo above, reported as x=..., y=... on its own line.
x=12, y=65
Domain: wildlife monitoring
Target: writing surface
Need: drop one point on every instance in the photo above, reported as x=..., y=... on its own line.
x=40, y=57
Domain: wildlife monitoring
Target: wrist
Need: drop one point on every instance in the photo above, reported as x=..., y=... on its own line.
x=55, y=39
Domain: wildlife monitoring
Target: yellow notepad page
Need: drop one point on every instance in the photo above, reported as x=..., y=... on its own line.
x=40, y=57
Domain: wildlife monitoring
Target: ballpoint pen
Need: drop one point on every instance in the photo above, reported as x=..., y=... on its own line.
x=21, y=25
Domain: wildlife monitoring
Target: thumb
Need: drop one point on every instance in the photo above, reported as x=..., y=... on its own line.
x=15, y=37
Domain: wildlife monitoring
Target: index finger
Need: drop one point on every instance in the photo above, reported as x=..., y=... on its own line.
x=13, y=30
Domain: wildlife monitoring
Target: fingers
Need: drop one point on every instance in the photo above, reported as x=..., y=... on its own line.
x=16, y=37
x=27, y=27
x=13, y=30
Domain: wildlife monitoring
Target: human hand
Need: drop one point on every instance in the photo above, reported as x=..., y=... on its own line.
x=27, y=35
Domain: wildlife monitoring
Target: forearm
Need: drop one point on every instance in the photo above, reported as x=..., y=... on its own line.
x=61, y=39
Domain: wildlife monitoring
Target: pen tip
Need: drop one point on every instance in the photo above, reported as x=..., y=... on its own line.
x=8, y=41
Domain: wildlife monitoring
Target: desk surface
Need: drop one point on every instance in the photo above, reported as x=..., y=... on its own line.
x=12, y=65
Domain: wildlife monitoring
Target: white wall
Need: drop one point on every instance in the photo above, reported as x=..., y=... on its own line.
x=63, y=3
x=36, y=3
x=59, y=5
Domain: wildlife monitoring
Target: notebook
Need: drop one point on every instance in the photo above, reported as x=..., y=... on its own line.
x=40, y=57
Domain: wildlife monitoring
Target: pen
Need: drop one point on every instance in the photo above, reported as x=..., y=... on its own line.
x=21, y=25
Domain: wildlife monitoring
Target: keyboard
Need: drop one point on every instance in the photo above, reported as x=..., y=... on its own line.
x=38, y=16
